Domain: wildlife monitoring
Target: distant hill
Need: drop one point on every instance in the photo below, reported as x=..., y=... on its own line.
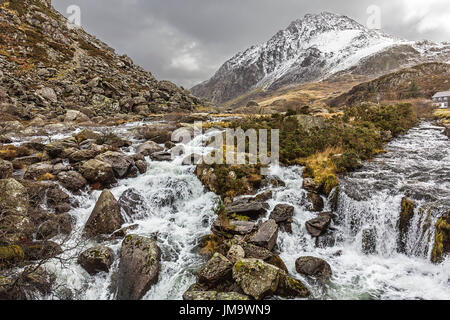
x=420, y=81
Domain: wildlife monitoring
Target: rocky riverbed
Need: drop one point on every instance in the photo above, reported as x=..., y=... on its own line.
x=103, y=212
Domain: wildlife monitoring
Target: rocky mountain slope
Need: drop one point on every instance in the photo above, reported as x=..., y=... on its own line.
x=314, y=48
x=419, y=81
x=48, y=68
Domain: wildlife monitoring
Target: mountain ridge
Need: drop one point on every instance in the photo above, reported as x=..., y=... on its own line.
x=315, y=48
x=48, y=68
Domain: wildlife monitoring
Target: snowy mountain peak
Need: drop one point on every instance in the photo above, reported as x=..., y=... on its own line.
x=313, y=48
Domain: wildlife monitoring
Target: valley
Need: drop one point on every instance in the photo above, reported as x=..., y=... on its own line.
x=103, y=197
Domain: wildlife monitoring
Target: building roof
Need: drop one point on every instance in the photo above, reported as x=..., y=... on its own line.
x=442, y=94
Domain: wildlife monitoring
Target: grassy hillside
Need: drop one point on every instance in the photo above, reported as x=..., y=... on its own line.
x=420, y=81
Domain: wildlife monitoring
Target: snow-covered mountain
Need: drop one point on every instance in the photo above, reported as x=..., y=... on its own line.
x=314, y=48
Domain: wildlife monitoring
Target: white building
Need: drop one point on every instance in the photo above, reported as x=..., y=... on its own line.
x=442, y=99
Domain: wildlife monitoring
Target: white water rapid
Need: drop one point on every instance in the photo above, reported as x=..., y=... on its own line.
x=178, y=212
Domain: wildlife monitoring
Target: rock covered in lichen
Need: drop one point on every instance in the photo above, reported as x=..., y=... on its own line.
x=96, y=259
x=138, y=268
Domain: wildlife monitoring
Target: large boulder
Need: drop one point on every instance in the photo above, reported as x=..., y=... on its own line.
x=96, y=171
x=132, y=202
x=105, y=218
x=138, y=268
x=6, y=169
x=319, y=226
x=266, y=236
x=96, y=259
x=282, y=214
x=217, y=269
x=259, y=280
x=314, y=267
x=119, y=161
x=72, y=180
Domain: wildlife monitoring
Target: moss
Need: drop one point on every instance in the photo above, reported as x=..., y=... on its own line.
x=442, y=240
x=11, y=253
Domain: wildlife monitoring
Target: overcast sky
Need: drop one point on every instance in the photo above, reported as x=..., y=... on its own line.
x=186, y=41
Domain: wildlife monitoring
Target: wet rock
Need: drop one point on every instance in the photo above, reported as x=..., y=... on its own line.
x=38, y=170
x=253, y=209
x=310, y=185
x=291, y=288
x=369, y=241
x=159, y=133
x=317, y=203
x=119, y=161
x=141, y=165
x=96, y=171
x=149, y=148
x=314, y=267
x=406, y=214
x=86, y=134
x=235, y=253
x=6, y=169
x=23, y=162
x=53, y=226
x=282, y=214
x=132, y=202
x=161, y=156
x=10, y=255
x=441, y=246
x=217, y=269
x=256, y=278
x=318, y=226
x=266, y=236
x=72, y=180
x=232, y=227
x=96, y=259
x=80, y=155
x=259, y=280
x=41, y=250
x=138, y=268
x=105, y=218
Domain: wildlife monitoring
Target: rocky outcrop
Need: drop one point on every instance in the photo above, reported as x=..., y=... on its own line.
x=149, y=148
x=105, y=218
x=96, y=259
x=314, y=267
x=72, y=180
x=138, y=268
x=69, y=74
x=223, y=227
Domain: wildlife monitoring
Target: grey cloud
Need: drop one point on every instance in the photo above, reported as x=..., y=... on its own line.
x=185, y=41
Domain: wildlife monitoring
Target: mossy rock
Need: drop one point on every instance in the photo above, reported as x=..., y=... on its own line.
x=441, y=240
